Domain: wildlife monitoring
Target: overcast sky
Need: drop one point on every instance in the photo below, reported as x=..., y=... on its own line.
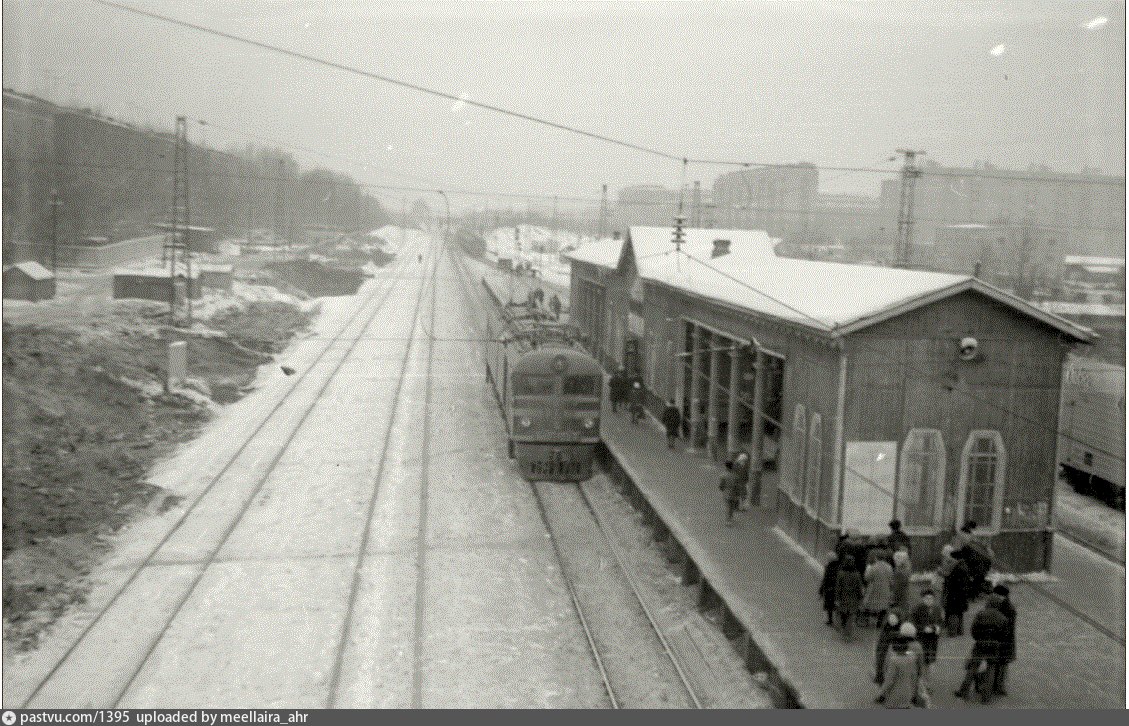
x=836, y=84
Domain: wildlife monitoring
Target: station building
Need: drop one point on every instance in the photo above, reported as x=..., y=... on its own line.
x=863, y=393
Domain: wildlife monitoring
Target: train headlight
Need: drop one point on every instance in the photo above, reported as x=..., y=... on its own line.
x=589, y=423
x=524, y=422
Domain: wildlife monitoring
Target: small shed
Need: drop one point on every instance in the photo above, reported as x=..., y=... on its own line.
x=28, y=281
x=217, y=277
x=150, y=284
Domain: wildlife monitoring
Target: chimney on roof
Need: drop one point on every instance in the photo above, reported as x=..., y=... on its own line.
x=720, y=248
x=615, y=234
x=976, y=271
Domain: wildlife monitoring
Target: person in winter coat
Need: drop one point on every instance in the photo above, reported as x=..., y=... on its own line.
x=956, y=595
x=1007, y=646
x=635, y=400
x=555, y=306
x=897, y=539
x=879, y=576
x=978, y=556
x=848, y=595
x=672, y=421
x=928, y=619
x=888, y=629
x=900, y=686
x=989, y=631
x=827, y=586
x=901, y=594
x=734, y=491
x=617, y=389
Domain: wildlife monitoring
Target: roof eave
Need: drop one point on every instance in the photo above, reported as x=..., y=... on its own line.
x=1078, y=332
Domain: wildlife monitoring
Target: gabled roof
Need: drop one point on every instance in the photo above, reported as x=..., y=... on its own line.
x=602, y=253
x=32, y=269
x=830, y=297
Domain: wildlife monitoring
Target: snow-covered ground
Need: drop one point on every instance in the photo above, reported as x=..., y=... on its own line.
x=538, y=247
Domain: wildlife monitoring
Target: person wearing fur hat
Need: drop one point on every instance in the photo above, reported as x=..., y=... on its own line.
x=1007, y=646
x=989, y=629
x=957, y=585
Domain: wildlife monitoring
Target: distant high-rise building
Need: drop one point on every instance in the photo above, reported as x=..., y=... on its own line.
x=1084, y=212
x=781, y=200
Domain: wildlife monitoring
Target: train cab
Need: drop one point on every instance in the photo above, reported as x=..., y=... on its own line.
x=554, y=413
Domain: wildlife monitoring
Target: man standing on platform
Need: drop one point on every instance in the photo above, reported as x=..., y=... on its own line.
x=672, y=421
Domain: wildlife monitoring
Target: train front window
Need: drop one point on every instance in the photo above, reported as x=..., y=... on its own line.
x=532, y=385
x=581, y=386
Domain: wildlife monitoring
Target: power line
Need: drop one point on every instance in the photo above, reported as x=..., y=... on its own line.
x=926, y=375
x=683, y=159
x=621, y=206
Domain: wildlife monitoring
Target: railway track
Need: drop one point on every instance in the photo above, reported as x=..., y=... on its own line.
x=367, y=315
x=639, y=667
x=370, y=507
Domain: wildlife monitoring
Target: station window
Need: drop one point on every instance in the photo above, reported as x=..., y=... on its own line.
x=813, y=475
x=533, y=385
x=982, y=479
x=581, y=386
x=795, y=478
x=921, y=479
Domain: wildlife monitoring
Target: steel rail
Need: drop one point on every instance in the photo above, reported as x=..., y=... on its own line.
x=424, y=482
x=639, y=596
x=269, y=469
x=148, y=559
x=575, y=600
x=370, y=509
x=468, y=287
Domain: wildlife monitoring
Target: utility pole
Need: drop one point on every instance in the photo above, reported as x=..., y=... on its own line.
x=696, y=211
x=603, y=212
x=278, y=204
x=55, y=204
x=910, y=173
x=178, y=237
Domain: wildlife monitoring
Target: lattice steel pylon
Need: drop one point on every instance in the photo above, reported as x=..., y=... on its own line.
x=177, y=249
x=910, y=173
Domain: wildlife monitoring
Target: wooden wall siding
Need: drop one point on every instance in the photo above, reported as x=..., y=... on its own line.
x=905, y=373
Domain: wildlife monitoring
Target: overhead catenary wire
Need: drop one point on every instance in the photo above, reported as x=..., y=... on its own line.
x=814, y=211
x=926, y=375
x=683, y=159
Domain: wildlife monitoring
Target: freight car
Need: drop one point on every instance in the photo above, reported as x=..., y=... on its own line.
x=1092, y=421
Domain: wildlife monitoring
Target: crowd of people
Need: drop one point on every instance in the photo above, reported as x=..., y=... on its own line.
x=869, y=583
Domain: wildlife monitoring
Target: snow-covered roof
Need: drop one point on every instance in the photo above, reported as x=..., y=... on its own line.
x=1084, y=260
x=1101, y=269
x=1084, y=308
x=602, y=253
x=32, y=269
x=153, y=272
x=830, y=297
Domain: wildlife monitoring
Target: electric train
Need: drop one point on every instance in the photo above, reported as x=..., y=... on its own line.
x=550, y=392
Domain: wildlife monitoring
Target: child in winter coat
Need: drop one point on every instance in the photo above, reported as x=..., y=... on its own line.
x=928, y=619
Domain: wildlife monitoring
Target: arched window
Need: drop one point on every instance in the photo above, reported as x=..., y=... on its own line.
x=981, y=493
x=814, y=464
x=796, y=458
x=921, y=479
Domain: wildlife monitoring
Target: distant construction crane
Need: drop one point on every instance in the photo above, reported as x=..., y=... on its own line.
x=910, y=173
